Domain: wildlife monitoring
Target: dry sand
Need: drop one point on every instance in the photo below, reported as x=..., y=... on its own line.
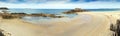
x=85, y=24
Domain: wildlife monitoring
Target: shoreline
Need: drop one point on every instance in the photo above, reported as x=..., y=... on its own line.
x=97, y=23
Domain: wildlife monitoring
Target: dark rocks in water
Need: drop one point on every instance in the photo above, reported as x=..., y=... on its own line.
x=56, y=16
x=74, y=11
x=8, y=16
x=19, y=14
x=51, y=15
x=46, y=15
x=11, y=16
x=38, y=14
x=4, y=8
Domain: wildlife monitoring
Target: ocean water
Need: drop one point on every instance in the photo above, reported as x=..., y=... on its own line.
x=49, y=11
x=52, y=11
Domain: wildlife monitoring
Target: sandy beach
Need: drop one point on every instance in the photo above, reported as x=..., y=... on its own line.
x=84, y=24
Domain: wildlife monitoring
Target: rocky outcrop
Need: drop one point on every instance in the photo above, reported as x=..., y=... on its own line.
x=9, y=16
x=12, y=15
x=6, y=15
x=116, y=28
x=19, y=14
x=74, y=11
x=39, y=14
x=4, y=33
x=4, y=8
x=1, y=34
x=46, y=15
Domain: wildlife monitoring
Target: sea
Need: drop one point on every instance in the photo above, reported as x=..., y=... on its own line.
x=52, y=11
x=38, y=20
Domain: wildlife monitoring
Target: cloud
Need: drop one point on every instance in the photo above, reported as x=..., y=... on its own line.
x=11, y=1
x=91, y=5
x=53, y=1
x=33, y=1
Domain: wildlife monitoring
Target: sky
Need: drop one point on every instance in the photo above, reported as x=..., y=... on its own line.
x=60, y=4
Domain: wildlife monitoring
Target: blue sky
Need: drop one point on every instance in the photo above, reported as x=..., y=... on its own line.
x=60, y=4
x=44, y=1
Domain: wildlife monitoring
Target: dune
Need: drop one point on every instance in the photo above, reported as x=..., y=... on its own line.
x=84, y=24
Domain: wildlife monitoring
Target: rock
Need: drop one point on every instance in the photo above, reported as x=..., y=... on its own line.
x=74, y=11
x=19, y=14
x=116, y=28
x=10, y=16
x=7, y=16
x=51, y=15
x=4, y=8
x=1, y=34
x=39, y=14
x=57, y=16
x=46, y=15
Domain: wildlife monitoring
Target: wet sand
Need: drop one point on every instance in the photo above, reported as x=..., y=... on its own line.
x=84, y=24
